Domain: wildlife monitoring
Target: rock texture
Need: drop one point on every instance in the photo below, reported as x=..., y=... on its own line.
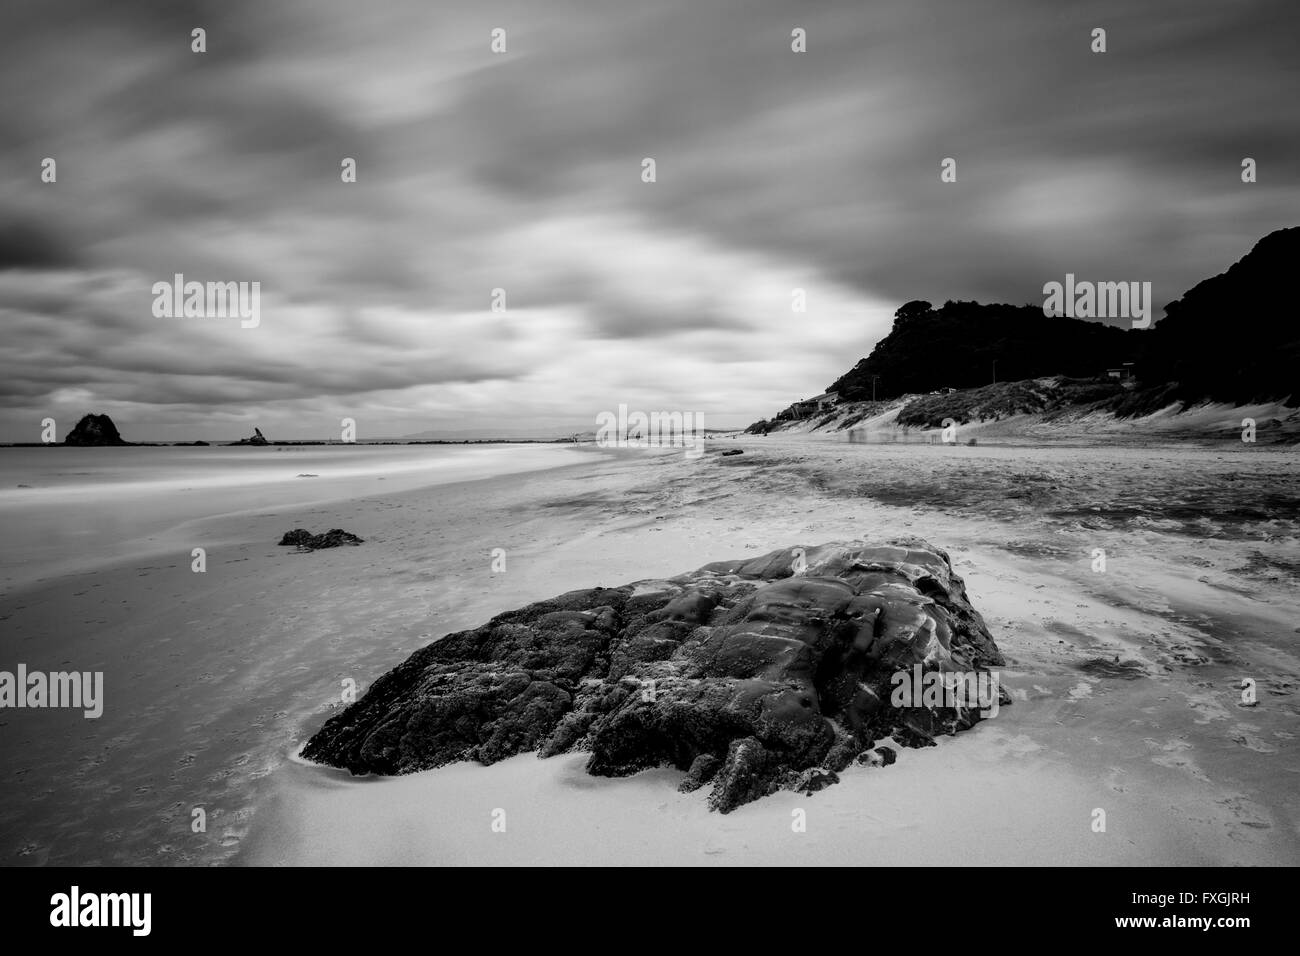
x=304, y=540
x=748, y=675
x=95, y=430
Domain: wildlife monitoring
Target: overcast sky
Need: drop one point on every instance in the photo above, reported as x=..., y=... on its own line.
x=775, y=170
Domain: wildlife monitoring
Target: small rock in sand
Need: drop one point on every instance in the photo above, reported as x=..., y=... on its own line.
x=306, y=541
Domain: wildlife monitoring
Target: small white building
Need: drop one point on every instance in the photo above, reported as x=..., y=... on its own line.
x=1123, y=374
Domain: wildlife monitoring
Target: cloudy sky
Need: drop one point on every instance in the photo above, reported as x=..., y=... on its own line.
x=522, y=170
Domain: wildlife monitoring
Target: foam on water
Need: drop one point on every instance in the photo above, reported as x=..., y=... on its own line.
x=83, y=507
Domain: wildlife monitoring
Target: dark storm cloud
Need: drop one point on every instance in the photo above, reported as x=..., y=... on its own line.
x=1009, y=89
x=621, y=320
x=522, y=171
x=26, y=245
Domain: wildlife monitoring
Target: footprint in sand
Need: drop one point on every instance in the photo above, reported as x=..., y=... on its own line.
x=1112, y=780
x=1247, y=814
x=1080, y=691
x=1205, y=707
x=1248, y=740
x=1171, y=755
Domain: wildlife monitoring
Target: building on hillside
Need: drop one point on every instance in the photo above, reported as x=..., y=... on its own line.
x=811, y=406
x=1122, y=374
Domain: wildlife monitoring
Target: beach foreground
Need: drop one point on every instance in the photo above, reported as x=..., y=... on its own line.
x=1127, y=682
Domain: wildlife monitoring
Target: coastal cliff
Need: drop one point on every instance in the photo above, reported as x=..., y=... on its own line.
x=1229, y=340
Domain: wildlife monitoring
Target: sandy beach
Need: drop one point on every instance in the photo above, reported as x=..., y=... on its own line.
x=1126, y=683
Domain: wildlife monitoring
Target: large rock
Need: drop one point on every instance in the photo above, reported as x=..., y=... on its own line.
x=94, y=430
x=751, y=675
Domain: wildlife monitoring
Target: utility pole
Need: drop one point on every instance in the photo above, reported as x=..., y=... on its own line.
x=874, y=379
x=995, y=371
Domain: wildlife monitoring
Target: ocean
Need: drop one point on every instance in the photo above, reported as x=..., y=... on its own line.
x=204, y=680
x=65, y=509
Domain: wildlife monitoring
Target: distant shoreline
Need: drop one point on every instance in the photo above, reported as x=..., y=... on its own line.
x=589, y=439
x=302, y=442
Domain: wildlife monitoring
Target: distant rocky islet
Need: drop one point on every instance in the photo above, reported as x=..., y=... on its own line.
x=94, y=430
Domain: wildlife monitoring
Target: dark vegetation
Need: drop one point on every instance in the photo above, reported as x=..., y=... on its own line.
x=1231, y=338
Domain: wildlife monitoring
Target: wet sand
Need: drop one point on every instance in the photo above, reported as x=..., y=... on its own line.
x=1126, y=682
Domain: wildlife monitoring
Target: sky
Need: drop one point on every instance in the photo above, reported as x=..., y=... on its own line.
x=522, y=170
